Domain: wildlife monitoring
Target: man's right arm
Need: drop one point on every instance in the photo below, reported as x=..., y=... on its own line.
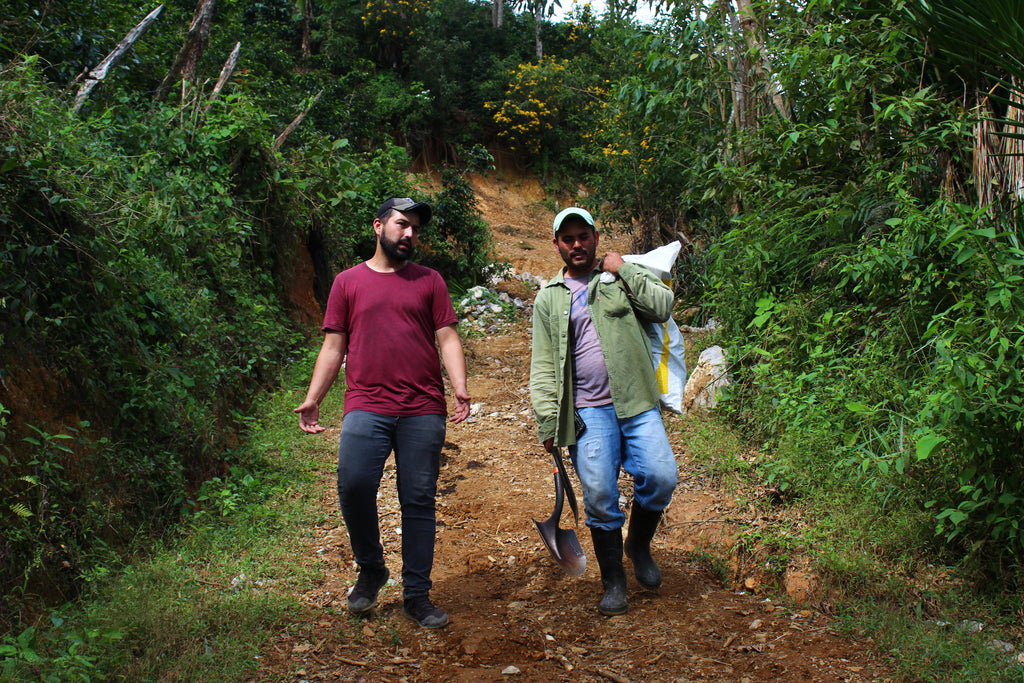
x=543, y=382
x=328, y=364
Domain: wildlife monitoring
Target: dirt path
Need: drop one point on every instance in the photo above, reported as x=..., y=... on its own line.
x=515, y=615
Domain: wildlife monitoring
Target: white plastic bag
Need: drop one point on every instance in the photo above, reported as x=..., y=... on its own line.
x=667, y=345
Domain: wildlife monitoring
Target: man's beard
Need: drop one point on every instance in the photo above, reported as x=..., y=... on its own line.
x=588, y=262
x=394, y=250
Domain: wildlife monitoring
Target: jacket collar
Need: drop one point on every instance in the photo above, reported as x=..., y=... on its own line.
x=559, y=279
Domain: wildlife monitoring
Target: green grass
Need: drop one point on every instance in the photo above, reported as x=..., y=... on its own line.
x=716, y=448
x=201, y=604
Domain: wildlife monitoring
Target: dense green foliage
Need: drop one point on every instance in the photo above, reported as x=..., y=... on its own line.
x=143, y=309
x=200, y=606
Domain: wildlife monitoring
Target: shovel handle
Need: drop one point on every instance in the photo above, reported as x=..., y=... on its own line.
x=560, y=473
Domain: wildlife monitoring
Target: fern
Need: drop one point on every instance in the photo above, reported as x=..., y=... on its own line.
x=21, y=511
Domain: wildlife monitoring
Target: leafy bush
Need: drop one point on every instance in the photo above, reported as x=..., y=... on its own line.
x=142, y=309
x=976, y=401
x=458, y=242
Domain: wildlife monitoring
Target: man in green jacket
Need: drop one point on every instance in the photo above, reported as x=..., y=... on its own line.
x=592, y=357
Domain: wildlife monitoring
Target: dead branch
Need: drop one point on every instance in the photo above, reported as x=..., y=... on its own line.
x=100, y=72
x=295, y=124
x=225, y=74
x=611, y=676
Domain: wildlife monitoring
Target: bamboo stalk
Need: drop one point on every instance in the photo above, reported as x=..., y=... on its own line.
x=1013, y=147
x=987, y=148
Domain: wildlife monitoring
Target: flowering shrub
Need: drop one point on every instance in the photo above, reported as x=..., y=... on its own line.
x=542, y=105
x=394, y=20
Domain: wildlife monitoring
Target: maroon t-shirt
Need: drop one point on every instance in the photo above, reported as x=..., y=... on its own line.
x=392, y=365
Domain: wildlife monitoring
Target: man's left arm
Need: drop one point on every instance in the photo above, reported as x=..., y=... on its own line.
x=455, y=365
x=651, y=298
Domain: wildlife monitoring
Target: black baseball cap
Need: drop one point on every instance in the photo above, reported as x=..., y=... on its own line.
x=404, y=204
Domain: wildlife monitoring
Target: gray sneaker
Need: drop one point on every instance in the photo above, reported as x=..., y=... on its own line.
x=420, y=610
x=363, y=597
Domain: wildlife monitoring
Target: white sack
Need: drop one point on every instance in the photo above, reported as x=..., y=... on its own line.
x=667, y=345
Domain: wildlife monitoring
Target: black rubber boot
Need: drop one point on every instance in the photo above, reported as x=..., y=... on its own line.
x=608, y=549
x=642, y=525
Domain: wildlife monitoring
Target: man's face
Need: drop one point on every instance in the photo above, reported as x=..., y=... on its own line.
x=577, y=245
x=397, y=234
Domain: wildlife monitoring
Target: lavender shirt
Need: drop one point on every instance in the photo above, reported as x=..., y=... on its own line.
x=591, y=382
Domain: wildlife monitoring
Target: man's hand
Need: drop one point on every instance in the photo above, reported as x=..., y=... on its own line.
x=462, y=402
x=549, y=444
x=309, y=413
x=612, y=262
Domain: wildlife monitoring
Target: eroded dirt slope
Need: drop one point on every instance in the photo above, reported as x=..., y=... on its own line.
x=516, y=615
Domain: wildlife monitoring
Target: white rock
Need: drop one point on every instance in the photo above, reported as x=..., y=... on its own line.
x=972, y=626
x=706, y=381
x=1002, y=646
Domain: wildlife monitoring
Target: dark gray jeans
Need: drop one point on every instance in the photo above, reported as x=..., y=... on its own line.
x=367, y=440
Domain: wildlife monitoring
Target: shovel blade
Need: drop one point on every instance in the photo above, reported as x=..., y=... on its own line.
x=572, y=558
x=549, y=534
x=564, y=546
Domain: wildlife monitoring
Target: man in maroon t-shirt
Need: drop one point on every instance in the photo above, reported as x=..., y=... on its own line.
x=385, y=315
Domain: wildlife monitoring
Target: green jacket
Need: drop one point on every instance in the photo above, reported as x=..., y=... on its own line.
x=618, y=310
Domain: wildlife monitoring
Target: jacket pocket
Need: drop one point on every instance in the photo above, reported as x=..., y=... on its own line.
x=614, y=302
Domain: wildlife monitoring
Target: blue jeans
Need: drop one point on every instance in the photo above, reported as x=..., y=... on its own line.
x=638, y=445
x=367, y=440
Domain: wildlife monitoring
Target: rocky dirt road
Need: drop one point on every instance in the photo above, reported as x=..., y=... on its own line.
x=515, y=614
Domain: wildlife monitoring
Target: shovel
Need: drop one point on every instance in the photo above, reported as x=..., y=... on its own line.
x=563, y=544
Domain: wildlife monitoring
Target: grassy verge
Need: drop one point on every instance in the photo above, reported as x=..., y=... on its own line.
x=200, y=605
x=882, y=580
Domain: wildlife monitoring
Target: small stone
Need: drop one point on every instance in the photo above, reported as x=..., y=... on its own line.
x=510, y=671
x=972, y=626
x=1002, y=646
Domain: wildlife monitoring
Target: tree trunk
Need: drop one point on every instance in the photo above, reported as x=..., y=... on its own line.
x=737, y=72
x=538, y=12
x=755, y=46
x=307, y=15
x=498, y=13
x=100, y=72
x=186, y=62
